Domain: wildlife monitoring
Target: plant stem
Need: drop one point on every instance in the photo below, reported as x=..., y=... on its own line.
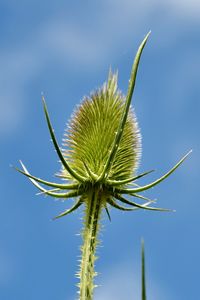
x=90, y=242
x=143, y=273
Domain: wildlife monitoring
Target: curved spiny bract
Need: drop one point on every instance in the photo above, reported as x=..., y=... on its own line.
x=125, y=181
x=143, y=198
x=115, y=205
x=68, y=168
x=143, y=206
x=70, y=210
x=154, y=183
x=73, y=193
x=71, y=186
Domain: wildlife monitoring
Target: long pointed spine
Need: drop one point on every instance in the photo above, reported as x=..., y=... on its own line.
x=131, y=86
x=90, y=242
x=154, y=183
x=70, y=186
x=121, y=182
x=72, y=172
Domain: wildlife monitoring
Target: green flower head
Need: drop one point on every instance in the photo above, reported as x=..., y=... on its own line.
x=90, y=134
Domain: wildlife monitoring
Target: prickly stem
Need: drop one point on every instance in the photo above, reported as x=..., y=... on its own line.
x=90, y=242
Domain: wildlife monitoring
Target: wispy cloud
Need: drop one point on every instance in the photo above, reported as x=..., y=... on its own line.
x=55, y=41
x=76, y=44
x=179, y=7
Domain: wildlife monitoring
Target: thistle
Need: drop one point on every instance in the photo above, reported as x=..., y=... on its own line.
x=98, y=164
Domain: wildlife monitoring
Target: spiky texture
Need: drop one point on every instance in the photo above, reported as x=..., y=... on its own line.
x=90, y=134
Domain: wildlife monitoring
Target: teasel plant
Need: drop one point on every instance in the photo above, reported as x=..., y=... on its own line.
x=99, y=158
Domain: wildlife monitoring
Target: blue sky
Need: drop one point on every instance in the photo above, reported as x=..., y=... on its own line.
x=64, y=49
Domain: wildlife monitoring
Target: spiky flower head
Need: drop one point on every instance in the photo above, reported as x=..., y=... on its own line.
x=89, y=136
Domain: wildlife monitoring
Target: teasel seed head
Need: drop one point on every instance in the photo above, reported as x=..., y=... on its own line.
x=90, y=133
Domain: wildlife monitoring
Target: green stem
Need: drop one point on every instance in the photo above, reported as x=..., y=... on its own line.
x=143, y=273
x=91, y=227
